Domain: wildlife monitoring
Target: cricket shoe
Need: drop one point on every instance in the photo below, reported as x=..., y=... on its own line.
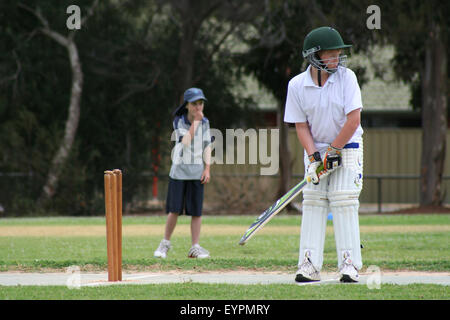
x=348, y=271
x=161, y=252
x=198, y=252
x=306, y=271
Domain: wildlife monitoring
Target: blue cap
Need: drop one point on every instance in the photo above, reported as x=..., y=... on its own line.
x=190, y=95
x=193, y=94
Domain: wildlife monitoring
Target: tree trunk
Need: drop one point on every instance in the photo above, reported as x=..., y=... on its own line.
x=285, y=156
x=70, y=131
x=193, y=13
x=71, y=124
x=186, y=58
x=434, y=119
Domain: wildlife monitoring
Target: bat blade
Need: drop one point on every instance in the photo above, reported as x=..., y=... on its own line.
x=274, y=209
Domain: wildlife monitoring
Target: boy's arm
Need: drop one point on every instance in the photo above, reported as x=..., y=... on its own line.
x=207, y=158
x=332, y=158
x=305, y=137
x=349, y=128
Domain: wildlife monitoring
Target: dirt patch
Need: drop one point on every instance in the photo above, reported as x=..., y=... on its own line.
x=414, y=273
x=184, y=230
x=230, y=272
x=404, y=228
x=423, y=210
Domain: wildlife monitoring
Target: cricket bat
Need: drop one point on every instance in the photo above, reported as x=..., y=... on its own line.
x=274, y=209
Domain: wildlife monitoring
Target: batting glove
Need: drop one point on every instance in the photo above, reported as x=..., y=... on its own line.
x=332, y=159
x=314, y=162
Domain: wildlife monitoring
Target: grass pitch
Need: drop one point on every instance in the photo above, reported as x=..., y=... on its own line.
x=409, y=242
x=201, y=291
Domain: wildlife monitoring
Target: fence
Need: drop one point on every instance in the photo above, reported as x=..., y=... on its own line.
x=391, y=175
x=391, y=166
x=239, y=193
x=16, y=190
x=380, y=190
x=235, y=193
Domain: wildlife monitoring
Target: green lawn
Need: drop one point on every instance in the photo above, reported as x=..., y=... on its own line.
x=391, y=242
x=281, y=219
x=199, y=291
x=388, y=250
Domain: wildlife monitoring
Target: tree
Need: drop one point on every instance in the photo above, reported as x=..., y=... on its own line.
x=71, y=127
x=121, y=68
x=222, y=18
x=129, y=51
x=275, y=58
x=420, y=32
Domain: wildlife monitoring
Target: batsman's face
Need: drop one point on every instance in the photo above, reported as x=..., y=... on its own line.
x=330, y=58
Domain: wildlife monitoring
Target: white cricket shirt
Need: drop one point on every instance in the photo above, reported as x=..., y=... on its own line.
x=324, y=108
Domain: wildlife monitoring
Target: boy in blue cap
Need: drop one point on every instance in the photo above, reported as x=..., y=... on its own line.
x=189, y=172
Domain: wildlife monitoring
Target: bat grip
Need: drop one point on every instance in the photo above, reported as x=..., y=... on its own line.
x=319, y=169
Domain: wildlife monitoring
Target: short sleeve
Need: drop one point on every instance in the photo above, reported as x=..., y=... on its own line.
x=352, y=93
x=293, y=109
x=179, y=130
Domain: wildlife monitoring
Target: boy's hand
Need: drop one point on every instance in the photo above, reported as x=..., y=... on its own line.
x=198, y=116
x=315, y=162
x=332, y=159
x=205, y=176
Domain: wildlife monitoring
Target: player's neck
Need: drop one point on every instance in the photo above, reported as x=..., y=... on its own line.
x=315, y=77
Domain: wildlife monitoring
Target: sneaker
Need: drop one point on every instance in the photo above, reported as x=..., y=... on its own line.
x=307, y=272
x=161, y=252
x=348, y=271
x=198, y=252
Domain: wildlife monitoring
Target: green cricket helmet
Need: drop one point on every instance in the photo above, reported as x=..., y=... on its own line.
x=323, y=38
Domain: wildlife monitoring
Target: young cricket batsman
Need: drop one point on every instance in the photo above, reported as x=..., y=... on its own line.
x=325, y=104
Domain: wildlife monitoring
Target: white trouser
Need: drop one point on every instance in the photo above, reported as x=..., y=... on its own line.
x=338, y=192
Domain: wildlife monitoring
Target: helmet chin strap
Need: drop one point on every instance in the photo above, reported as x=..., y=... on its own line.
x=319, y=67
x=319, y=77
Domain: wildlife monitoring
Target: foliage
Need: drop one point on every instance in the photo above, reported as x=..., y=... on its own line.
x=409, y=29
x=129, y=53
x=275, y=54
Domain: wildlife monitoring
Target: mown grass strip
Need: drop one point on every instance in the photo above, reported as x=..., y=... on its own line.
x=184, y=230
x=198, y=291
x=244, y=220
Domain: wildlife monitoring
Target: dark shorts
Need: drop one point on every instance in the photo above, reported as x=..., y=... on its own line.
x=185, y=195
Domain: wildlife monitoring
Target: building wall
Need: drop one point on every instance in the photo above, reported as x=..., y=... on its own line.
x=388, y=152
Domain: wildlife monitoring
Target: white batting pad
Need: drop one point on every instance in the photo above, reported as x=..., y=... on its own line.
x=350, y=175
x=345, y=185
x=346, y=234
x=314, y=222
